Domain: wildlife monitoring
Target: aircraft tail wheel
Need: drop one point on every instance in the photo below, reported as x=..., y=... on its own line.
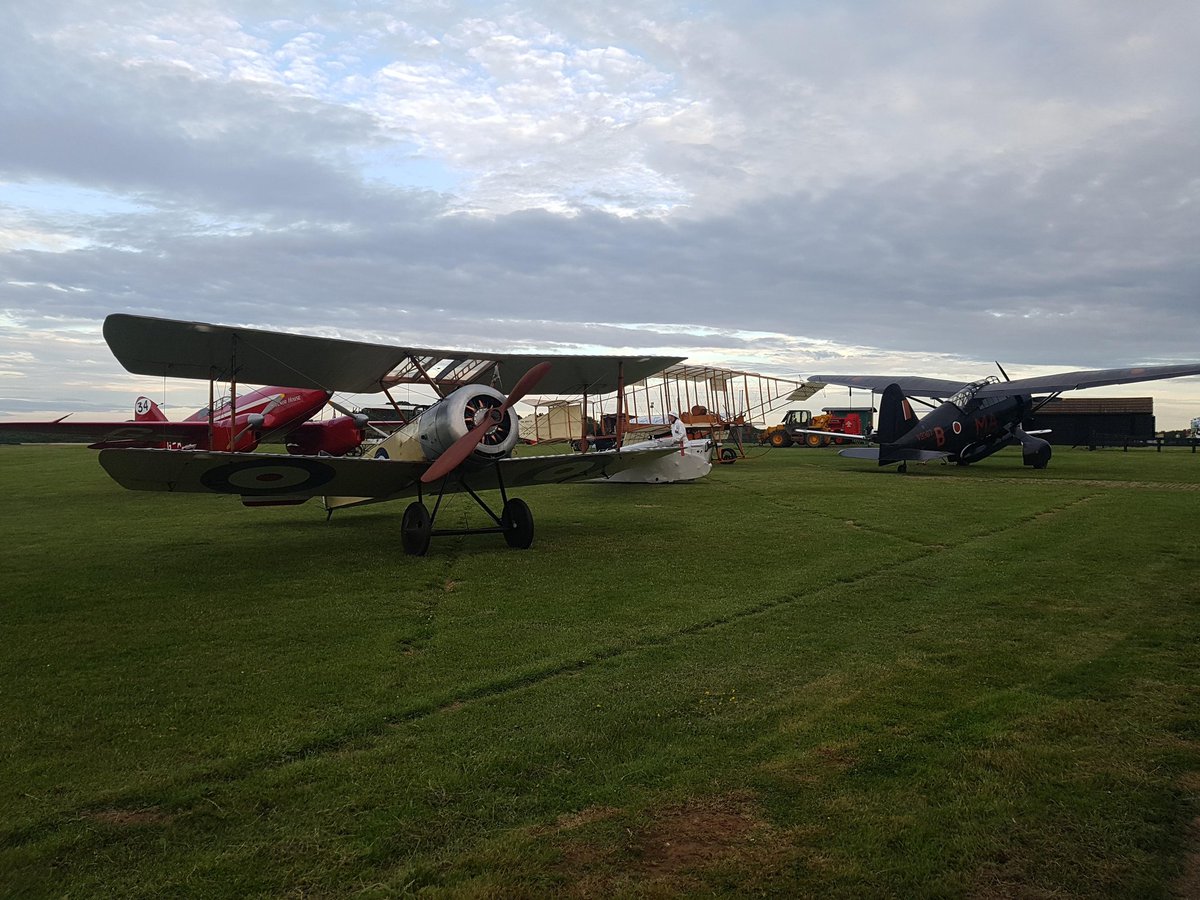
x=517, y=521
x=416, y=529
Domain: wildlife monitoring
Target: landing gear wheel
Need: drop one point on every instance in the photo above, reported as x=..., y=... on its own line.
x=728, y=455
x=517, y=522
x=902, y=468
x=416, y=529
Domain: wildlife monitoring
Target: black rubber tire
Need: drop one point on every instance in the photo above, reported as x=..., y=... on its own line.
x=416, y=529
x=517, y=522
x=728, y=455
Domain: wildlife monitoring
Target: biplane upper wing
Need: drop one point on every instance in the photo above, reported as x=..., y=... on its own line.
x=1088, y=378
x=911, y=385
x=264, y=475
x=170, y=347
x=69, y=432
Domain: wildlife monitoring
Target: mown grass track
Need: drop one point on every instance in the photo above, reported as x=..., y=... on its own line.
x=800, y=675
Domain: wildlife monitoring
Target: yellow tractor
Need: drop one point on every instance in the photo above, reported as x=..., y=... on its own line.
x=798, y=424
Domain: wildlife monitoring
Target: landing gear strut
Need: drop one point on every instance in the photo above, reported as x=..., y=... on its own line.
x=515, y=521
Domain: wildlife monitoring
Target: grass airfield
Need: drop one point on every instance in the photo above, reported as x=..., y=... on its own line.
x=801, y=675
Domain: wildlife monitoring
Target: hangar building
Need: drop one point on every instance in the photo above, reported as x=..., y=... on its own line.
x=1095, y=421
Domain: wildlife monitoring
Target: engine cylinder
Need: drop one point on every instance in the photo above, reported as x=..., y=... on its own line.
x=448, y=420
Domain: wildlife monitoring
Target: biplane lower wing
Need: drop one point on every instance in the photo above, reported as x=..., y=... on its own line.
x=344, y=480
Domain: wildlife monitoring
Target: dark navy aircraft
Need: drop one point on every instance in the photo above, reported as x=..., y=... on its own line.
x=973, y=421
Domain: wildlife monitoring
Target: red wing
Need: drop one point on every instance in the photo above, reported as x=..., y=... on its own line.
x=66, y=432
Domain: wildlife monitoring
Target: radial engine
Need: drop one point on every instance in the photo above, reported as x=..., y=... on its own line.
x=448, y=420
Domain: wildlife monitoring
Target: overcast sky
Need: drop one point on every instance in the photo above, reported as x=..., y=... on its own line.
x=918, y=187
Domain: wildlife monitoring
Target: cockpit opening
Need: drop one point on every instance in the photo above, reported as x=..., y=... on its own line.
x=967, y=393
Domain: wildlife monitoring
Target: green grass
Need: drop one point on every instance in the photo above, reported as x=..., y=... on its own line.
x=799, y=676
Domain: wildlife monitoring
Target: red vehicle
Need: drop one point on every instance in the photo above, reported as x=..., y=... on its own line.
x=802, y=429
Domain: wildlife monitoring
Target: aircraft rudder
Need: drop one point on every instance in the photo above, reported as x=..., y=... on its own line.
x=896, y=417
x=146, y=410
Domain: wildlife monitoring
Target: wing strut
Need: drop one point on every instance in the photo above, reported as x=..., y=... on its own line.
x=424, y=374
x=1044, y=400
x=620, y=404
x=395, y=406
x=233, y=374
x=212, y=380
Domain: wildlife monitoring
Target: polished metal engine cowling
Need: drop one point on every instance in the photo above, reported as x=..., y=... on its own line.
x=448, y=420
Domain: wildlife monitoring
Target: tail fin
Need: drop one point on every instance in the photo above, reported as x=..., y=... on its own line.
x=146, y=410
x=896, y=417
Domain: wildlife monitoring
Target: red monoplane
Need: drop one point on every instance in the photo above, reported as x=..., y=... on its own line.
x=265, y=415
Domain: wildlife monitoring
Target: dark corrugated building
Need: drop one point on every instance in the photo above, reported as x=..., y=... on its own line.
x=1095, y=421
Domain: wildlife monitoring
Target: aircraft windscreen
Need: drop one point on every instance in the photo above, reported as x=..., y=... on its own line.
x=967, y=394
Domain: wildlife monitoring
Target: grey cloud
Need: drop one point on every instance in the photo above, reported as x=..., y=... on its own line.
x=173, y=139
x=975, y=263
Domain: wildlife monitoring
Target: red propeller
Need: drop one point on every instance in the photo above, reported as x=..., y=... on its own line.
x=458, y=452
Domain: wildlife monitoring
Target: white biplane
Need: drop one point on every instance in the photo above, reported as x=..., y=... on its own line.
x=462, y=443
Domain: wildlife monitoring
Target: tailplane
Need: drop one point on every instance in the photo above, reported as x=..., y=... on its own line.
x=860, y=452
x=888, y=455
x=146, y=410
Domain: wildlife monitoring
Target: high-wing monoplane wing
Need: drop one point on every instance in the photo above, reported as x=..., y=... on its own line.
x=358, y=480
x=162, y=347
x=917, y=386
x=1074, y=381
x=911, y=385
x=69, y=432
